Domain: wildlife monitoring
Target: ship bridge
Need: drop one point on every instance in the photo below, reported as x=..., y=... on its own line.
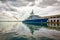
x=32, y=16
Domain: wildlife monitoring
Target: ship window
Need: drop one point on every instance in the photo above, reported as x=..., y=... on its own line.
x=54, y=20
x=51, y=20
x=57, y=20
x=51, y=17
x=54, y=17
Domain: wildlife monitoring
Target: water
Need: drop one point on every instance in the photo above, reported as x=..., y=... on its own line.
x=21, y=31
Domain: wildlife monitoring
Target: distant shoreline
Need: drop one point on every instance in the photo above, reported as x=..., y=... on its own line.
x=10, y=21
x=21, y=21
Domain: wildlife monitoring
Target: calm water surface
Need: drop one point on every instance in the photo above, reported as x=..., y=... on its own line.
x=21, y=31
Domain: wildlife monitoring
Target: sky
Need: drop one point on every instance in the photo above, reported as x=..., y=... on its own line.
x=21, y=9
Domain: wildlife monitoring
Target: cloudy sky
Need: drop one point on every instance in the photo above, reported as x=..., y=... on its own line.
x=22, y=8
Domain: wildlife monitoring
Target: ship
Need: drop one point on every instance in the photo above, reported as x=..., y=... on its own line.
x=34, y=19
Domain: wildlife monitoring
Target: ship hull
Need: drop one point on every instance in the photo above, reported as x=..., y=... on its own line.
x=36, y=21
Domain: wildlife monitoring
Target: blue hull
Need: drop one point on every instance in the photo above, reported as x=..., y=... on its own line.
x=35, y=21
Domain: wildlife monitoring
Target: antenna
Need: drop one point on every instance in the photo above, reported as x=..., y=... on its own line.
x=32, y=13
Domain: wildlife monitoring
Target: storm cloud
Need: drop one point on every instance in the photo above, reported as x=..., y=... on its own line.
x=19, y=7
x=39, y=3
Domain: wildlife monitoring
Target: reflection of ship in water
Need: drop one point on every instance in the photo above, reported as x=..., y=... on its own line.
x=33, y=27
x=35, y=19
x=52, y=26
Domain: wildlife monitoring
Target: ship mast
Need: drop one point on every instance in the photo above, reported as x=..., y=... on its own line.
x=32, y=13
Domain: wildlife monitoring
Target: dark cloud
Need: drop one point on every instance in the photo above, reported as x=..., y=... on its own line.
x=16, y=3
x=45, y=3
x=3, y=1
x=30, y=0
x=48, y=2
x=12, y=0
x=7, y=8
x=7, y=0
